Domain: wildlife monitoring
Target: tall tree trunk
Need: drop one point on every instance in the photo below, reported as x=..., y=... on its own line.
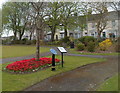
x=15, y=34
x=30, y=36
x=20, y=37
x=37, y=44
x=53, y=33
x=65, y=33
x=22, y=32
x=41, y=35
x=99, y=35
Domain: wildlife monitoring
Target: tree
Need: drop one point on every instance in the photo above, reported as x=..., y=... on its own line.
x=86, y=11
x=67, y=13
x=101, y=18
x=23, y=18
x=114, y=5
x=15, y=17
x=53, y=18
x=0, y=22
x=38, y=8
x=9, y=18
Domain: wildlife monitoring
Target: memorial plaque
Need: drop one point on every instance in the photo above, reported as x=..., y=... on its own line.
x=53, y=51
x=62, y=50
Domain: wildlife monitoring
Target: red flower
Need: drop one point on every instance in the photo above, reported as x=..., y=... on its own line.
x=30, y=64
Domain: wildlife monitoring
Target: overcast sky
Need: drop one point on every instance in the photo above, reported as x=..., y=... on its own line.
x=1, y=2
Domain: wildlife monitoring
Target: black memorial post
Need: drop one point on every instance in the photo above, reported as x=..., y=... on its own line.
x=53, y=58
x=62, y=50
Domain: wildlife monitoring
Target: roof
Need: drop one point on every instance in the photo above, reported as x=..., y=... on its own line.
x=113, y=15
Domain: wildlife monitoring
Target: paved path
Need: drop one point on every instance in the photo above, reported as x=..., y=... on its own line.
x=22, y=58
x=45, y=54
x=85, y=78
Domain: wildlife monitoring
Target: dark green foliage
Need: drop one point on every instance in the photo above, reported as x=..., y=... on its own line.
x=16, y=42
x=80, y=47
x=33, y=41
x=91, y=46
x=23, y=41
x=117, y=47
x=65, y=40
x=28, y=42
x=54, y=43
x=86, y=39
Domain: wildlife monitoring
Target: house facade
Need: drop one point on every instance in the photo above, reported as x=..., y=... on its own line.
x=111, y=29
x=60, y=34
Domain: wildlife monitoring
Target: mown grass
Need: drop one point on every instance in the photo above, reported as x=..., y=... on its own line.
x=17, y=82
x=17, y=51
x=74, y=51
x=110, y=85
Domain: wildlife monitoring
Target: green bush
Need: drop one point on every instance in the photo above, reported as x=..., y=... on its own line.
x=16, y=42
x=65, y=40
x=80, y=47
x=33, y=41
x=86, y=39
x=91, y=46
x=4, y=41
x=28, y=42
x=117, y=47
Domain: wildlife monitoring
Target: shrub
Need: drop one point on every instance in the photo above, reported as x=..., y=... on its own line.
x=91, y=46
x=33, y=41
x=28, y=42
x=16, y=41
x=86, y=39
x=24, y=39
x=65, y=40
x=117, y=45
x=104, y=45
x=80, y=47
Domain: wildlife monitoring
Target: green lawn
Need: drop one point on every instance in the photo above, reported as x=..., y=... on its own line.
x=16, y=82
x=78, y=52
x=110, y=85
x=17, y=51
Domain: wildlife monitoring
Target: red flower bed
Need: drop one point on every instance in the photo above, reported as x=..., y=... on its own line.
x=30, y=65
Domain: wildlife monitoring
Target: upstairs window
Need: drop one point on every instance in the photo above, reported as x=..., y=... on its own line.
x=93, y=25
x=113, y=23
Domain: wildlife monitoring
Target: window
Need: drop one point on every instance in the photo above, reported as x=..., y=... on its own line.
x=104, y=35
x=93, y=25
x=92, y=34
x=113, y=23
x=85, y=33
x=76, y=35
x=62, y=35
x=71, y=34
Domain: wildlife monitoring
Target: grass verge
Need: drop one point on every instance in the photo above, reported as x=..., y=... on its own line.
x=17, y=82
x=110, y=85
x=82, y=53
x=17, y=51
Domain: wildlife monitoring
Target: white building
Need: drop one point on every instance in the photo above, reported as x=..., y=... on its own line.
x=111, y=30
x=60, y=34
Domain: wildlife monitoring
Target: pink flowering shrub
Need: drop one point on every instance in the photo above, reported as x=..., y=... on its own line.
x=30, y=65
